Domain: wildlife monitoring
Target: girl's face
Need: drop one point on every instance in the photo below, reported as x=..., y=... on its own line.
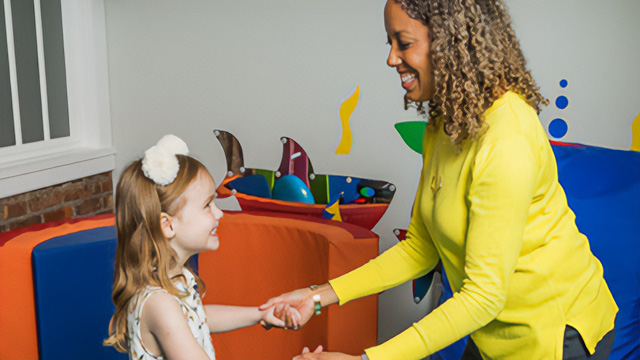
x=195, y=224
x=409, y=53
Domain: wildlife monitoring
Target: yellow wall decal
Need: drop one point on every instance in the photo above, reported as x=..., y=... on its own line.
x=346, y=109
x=635, y=134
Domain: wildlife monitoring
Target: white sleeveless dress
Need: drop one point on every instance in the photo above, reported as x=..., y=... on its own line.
x=191, y=307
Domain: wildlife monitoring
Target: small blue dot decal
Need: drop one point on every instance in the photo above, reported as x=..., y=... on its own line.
x=562, y=102
x=563, y=83
x=558, y=128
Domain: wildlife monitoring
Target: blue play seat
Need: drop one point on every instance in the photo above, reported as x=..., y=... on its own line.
x=603, y=190
x=72, y=277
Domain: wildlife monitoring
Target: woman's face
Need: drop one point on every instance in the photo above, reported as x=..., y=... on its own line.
x=409, y=53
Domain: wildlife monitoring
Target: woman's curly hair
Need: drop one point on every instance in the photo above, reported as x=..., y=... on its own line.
x=476, y=59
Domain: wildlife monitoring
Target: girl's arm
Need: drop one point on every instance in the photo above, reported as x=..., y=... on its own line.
x=165, y=331
x=221, y=318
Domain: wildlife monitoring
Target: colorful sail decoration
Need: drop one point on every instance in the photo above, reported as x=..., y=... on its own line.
x=295, y=187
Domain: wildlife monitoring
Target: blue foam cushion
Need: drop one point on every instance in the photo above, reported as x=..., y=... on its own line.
x=603, y=190
x=73, y=277
x=455, y=350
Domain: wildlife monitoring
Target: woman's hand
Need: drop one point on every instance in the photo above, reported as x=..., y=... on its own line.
x=317, y=354
x=302, y=301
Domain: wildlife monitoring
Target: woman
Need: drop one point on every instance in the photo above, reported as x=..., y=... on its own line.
x=489, y=206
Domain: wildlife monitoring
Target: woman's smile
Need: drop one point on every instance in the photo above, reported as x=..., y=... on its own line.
x=408, y=80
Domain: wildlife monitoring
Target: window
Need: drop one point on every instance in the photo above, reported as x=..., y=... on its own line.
x=32, y=59
x=55, y=123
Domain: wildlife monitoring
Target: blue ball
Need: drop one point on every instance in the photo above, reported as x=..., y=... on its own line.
x=292, y=188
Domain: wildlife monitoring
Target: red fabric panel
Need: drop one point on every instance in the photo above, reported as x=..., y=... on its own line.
x=358, y=232
x=560, y=143
x=18, y=338
x=364, y=215
x=263, y=256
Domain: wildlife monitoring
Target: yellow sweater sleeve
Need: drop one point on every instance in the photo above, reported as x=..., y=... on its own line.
x=502, y=183
x=409, y=259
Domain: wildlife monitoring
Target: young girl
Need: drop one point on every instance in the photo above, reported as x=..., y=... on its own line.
x=165, y=213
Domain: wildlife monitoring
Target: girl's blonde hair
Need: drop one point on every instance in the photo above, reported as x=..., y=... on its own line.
x=476, y=59
x=144, y=255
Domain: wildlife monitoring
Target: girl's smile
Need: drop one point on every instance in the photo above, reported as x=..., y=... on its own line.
x=194, y=227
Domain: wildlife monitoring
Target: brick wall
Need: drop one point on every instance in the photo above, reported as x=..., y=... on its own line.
x=84, y=197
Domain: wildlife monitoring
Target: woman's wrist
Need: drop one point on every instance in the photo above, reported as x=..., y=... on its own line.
x=323, y=294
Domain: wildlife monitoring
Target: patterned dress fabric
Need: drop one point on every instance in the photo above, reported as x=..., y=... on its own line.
x=191, y=307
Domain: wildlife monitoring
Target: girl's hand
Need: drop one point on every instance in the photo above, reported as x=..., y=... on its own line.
x=280, y=315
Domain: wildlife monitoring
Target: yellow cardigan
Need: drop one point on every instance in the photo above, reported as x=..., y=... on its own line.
x=493, y=211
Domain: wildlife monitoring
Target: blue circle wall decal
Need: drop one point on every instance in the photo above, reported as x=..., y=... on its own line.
x=558, y=128
x=564, y=83
x=562, y=102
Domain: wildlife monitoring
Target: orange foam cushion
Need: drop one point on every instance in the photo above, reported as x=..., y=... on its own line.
x=18, y=338
x=263, y=256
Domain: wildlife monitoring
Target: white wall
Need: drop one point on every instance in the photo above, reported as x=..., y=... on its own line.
x=265, y=69
x=595, y=45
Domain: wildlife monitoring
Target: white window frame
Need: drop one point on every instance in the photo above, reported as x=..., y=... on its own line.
x=88, y=150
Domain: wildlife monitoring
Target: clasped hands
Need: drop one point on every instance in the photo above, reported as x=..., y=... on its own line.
x=295, y=308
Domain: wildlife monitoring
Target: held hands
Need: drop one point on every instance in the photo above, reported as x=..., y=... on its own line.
x=294, y=308
x=277, y=315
